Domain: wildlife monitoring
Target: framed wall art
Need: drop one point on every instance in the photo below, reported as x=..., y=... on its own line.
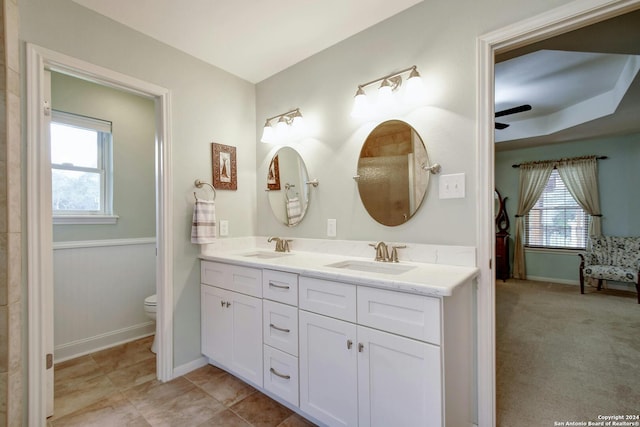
x=225, y=174
x=273, y=178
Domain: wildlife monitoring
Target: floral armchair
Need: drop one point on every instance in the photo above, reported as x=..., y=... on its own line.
x=612, y=258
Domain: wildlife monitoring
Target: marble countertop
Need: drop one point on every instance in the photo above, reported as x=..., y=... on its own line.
x=413, y=277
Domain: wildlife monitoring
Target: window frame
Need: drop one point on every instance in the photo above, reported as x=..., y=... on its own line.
x=527, y=244
x=104, y=168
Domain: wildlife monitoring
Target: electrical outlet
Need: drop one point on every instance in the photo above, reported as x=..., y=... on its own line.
x=451, y=186
x=224, y=227
x=331, y=228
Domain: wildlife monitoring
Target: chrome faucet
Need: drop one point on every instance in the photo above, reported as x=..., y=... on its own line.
x=282, y=245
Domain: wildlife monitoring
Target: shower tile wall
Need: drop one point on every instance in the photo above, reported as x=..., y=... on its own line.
x=10, y=219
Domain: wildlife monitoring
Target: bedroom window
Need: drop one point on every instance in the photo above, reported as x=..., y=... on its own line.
x=81, y=169
x=556, y=221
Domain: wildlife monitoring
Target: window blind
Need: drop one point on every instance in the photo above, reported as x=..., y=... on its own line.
x=556, y=220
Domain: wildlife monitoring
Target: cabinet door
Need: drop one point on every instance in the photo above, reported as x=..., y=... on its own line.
x=245, y=314
x=328, y=369
x=215, y=324
x=399, y=381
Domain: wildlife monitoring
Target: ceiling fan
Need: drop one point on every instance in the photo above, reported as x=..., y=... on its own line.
x=508, y=111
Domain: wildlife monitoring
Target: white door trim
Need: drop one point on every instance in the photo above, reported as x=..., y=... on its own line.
x=39, y=235
x=571, y=16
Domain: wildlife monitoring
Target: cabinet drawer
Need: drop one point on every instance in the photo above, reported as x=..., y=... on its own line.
x=280, y=286
x=245, y=280
x=281, y=374
x=329, y=298
x=280, y=326
x=413, y=316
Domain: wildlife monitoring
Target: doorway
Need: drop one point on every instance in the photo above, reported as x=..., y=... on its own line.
x=563, y=19
x=39, y=214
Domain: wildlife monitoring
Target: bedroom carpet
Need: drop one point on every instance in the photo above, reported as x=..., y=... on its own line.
x=565, y=357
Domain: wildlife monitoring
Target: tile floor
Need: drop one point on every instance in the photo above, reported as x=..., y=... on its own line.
x=117, y=387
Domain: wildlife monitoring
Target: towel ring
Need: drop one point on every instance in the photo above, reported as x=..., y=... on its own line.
x=288, y=187
x=199, y=184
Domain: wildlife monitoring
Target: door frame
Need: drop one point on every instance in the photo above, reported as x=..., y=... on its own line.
x=39, y=234
x=560, y=20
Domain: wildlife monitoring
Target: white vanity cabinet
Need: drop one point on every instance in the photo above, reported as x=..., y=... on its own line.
x=231, y=322
x=374, y=357
x=343, y=354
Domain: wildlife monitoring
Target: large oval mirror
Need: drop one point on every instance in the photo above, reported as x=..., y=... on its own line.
x=392, y=181
x=287, y=184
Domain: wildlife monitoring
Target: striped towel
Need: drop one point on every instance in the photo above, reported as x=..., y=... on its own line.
x=294, y=211
x=203, y=229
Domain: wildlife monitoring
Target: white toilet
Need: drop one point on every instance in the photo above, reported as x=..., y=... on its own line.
x=150, y=309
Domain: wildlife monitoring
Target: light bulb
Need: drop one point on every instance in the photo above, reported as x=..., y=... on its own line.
x=282, y=128
x=268, y=134
x=297, y=124
x=386, y=101
x=414, y=89
x=360, y=104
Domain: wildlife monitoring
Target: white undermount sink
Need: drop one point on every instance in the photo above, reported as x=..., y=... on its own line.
x=372, y=266
x=265, y=254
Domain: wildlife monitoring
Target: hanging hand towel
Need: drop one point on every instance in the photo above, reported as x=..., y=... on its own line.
x=203, y=229
x=294, y=211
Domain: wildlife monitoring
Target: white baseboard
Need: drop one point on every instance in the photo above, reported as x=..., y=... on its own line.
x=553, y=280
x=619, y=286
x=178, y=371
x=100, y=342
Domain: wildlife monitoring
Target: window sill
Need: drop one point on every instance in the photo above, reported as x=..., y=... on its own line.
x=85, y=219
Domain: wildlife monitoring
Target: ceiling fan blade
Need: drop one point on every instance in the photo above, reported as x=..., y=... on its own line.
x=501, y=126
x=514, y=110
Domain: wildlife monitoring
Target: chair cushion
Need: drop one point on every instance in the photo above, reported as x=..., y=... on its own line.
x=611, y=272
x=615, y=251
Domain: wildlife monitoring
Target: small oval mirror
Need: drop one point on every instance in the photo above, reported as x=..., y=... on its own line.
x=391, y=179
x=287, y=184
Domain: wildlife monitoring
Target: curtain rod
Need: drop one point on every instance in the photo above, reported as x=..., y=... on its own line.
x=597, y=158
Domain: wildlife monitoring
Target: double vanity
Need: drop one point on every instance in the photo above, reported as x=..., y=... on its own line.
x=345, y=340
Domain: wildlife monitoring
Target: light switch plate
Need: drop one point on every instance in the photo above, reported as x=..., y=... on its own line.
x=451, y=186
x=224, y=227
x=331, y=228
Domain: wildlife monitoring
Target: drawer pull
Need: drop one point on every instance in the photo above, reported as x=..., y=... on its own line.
x=278, y=286
x=221, y=303
x=349, y=344
x=276, y=373
x=360, y=347
x=279, y=329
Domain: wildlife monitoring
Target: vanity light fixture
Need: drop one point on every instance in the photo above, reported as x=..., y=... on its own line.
x=386, y=92
x=286, y=124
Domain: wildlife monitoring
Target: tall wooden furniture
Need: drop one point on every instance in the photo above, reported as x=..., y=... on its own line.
x=502, y=238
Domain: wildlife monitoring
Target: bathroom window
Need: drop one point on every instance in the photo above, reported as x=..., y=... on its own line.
x=556, y=221
x=81, y=169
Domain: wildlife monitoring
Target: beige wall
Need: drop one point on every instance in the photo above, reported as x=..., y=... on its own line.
x=11, y=375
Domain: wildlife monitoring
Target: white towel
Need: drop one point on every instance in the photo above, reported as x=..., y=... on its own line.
x=294, y=211
x=203, y=229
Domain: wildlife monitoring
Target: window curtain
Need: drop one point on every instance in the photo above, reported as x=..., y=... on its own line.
x=533, y=179
x=580, y=175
